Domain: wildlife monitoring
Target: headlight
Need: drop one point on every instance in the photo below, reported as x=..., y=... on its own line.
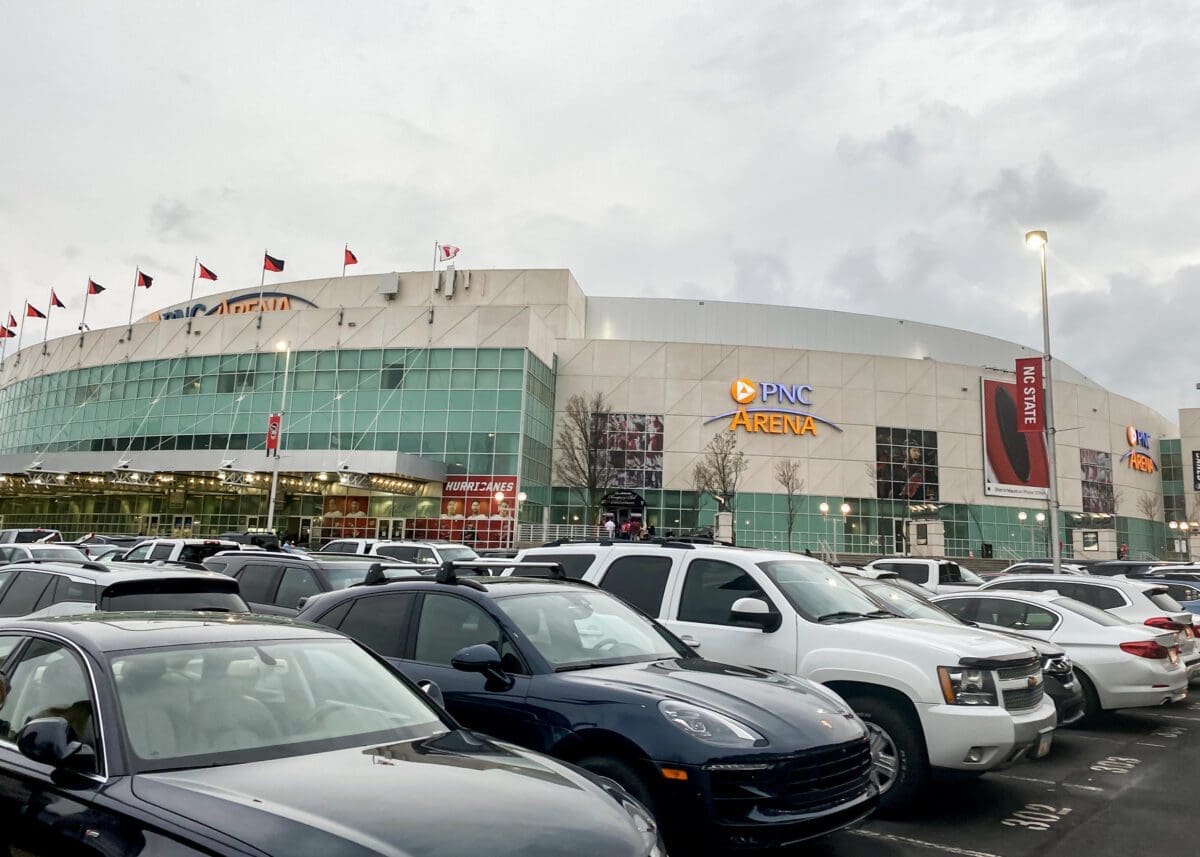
x=709, y=726
x=1060, y=666
x=961, y=686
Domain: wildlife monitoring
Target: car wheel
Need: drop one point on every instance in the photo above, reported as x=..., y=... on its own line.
x=623, y=774
x=1091, y=700
x=901, y=765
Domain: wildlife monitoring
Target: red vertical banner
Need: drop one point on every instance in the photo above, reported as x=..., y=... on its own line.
x=1031, y=395
x=273, y=424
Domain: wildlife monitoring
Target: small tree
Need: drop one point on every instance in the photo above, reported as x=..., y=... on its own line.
x=1148, y=505
x=582, y=461
x=719, y=470
x=787, y=474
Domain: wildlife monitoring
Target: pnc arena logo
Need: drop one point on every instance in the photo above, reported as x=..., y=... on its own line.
x=771, y=408
x=247, y=303
x=1138, y=455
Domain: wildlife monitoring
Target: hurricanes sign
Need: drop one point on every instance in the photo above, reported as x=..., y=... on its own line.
x=771, y=408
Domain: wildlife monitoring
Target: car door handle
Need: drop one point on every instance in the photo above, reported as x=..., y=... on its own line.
x=691, y=641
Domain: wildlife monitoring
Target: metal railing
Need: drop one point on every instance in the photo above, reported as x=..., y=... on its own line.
x=538, y=534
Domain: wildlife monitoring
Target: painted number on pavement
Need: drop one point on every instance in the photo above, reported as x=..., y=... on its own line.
x=1036, y=816
x=1169, y=732
x=1116, y=765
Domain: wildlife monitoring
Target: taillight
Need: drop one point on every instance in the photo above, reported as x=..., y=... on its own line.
x=1146, y=649
x=1167, y=625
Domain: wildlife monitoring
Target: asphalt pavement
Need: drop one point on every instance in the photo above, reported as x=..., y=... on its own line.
x=1126, y=786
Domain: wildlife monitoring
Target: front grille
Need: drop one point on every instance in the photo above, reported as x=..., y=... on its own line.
x=1021, y=670
x=1023, y=698
x=810, y=782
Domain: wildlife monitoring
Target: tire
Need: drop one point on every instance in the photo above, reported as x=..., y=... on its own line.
x=1091, y=700
x=623, y=774
x=902, y=763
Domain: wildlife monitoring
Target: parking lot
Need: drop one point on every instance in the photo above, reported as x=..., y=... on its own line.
x=1126, y=786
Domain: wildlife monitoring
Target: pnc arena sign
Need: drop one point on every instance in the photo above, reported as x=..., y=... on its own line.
x=771, y=408
x=1138, y=455
x=247, y=303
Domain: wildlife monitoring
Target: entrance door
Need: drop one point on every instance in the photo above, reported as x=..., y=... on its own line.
x=390, y=528
x=900, y=536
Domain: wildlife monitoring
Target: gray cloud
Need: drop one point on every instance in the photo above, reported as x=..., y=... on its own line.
x=899, y=144
x=1042, y=194
x=174, y=221
x=762, y=277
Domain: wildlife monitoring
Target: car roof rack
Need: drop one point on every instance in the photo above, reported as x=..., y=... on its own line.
x=448, y=573
x=686, y=542
x=90, y=565
x=375, y=574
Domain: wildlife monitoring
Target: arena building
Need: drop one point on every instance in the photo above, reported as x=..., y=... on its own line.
x=425, y=404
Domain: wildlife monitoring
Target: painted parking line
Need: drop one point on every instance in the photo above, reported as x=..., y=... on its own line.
x=920, y=843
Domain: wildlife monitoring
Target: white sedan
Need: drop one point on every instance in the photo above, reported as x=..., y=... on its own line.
x=1119, y=665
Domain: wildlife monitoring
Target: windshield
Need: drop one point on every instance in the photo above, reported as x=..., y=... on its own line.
x=575, y=629
x=341, y=578
x=140, y=601
x=26, y=536
x=56, y=553
x=1100, y=617
x=1165, y=602
x=952, y=572
x=199, y=553
x=457, y=553
x=906, y=604
x=199, y=706
x=818, y=592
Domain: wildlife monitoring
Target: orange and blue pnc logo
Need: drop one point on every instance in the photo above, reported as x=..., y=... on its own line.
x=773, y=415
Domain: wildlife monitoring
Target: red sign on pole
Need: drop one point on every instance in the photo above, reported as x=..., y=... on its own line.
x=273, y=423
x=1031, y=396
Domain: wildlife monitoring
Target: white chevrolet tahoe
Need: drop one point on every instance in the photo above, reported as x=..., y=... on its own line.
x=941, y=576
x=934, y=696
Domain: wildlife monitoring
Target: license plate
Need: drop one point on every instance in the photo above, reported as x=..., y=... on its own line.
x=1043, y=746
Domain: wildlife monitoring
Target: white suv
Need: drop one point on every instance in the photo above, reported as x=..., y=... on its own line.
x=426, y=553
x=933, y=695
x=183, y=550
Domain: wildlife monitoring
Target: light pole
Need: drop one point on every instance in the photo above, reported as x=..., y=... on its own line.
x=1040, y=517
x=1036, y=240
x=286, y=347
x=845, y=510
x=824, y=509
x=1023, y=516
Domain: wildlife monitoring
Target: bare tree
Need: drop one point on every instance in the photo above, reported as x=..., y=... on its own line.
x=1118, y=495
x=1148, y=505
x=719, y=470
x=582, y=461
x=787, y=474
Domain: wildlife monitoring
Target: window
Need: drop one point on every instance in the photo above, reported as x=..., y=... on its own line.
x=341, y=547
x=575, y=565
x=1104, y=597
x=257, y=582
x=952, y=572
x=449, y=623
x=297, y=583
x=66, y=589
x=710, y=589
x=914, y=572
x=140, y=552
x=48, y=681
x=640, y=580
x=1017, y=615
x=379, y=622
x=392, y=377
x=23, y=592
x=425, y=555
x=960, y=608
x=401, y=552
x=199, y=553
x=162, y=550
x=906, y=464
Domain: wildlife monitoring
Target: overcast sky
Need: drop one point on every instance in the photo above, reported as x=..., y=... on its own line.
x=875, y=157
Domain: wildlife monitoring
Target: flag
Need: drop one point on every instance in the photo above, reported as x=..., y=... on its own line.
x=205, y=273
x=448, y=251
x=5, y=333
x=94, y=288
x=54, y=301
x=144, y=280
x=12, y=320
x=351, y=259
x=33, y=312
x=270, y=263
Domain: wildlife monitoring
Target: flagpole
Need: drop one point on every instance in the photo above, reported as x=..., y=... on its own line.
x=262, y=282
x=21, y=329
x=46, y=329
x=192, y=294
x=83, y=318
x=4, y=340
x=129, y=333
x=344, y=249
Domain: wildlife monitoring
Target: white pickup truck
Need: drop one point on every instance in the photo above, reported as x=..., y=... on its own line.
x=932, y=695
x=941, y=576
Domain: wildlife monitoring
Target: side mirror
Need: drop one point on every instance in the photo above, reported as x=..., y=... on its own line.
x=485, y=660
x=51, y=741
x=756, y=612
x=430, y=689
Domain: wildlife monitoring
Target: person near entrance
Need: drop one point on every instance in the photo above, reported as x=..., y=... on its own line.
x=610, y=526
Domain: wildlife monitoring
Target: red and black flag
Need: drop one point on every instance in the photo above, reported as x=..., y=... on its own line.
x=94, y=288
x=5, y=333
x=54, y=301
x=12, y=320
x=33, y=312
x=351, y=259
x=270, y=263
x=144, y=280
x=205, y=273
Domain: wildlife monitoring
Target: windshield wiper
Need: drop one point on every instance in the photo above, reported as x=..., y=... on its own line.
x=881, y=614
x=845, y=615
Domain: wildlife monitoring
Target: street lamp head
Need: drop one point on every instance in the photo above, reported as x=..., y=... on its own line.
x=1041, y=516
x=283, y=345
x=499, y=495
x=522, y=497
x=845, y=508
x=1036, y=239
x=1021, y=516
x=824, y=508
x=1174, y=525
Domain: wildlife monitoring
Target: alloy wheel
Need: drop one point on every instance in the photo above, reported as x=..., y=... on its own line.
x=885, y=758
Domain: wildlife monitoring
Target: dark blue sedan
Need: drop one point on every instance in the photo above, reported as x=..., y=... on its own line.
x=743, y=757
